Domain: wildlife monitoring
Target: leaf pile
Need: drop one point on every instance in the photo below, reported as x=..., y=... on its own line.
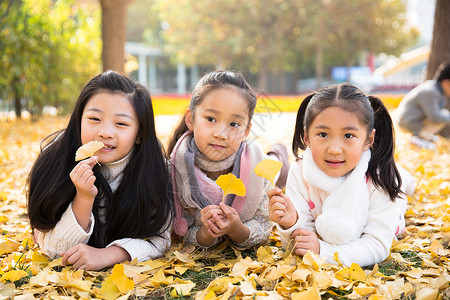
x=418, y=267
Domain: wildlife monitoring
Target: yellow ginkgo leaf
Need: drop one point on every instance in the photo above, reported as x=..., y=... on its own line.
x=357, y=273
x=268, y=169
x=123, y=283
x=230, y=184
x=109, y=289
x=13, y=275
x=88, y=150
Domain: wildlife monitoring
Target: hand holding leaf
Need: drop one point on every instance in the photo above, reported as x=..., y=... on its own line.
x=230, y=184
x=88, y=150
x=268, y=169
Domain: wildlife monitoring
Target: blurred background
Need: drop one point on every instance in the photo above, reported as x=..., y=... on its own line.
x=50, y=48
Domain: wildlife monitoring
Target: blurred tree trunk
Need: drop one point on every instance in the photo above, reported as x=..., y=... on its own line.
x=113, y=34
x=15, y=82
x=440, y=45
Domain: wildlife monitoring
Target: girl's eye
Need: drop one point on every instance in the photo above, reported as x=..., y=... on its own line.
x=121, y=124
x=234, y=124
x=210, y=119
x=322, y=134
x=94, y=119
x=348, y=135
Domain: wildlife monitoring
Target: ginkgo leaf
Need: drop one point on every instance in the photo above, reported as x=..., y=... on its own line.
x=268, y=169
x=13, y=275
x=357, y=273
x=88, y=150
x=123, y=283
x=109, y=289
x=230, y=184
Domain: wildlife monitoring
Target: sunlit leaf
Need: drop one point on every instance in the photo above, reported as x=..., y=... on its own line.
x=231, y=185
x=357, y=273
x=13, y=275
x=109, y=289
x=311, y=293
x=268, y=169
x=123, y=283
x=88, y=150
x=183, y=288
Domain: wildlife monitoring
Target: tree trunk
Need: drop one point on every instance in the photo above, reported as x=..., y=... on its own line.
x=16, y=97
x=113, y=34
x=440, y=44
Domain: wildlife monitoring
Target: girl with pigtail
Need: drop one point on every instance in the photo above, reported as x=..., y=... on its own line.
x=346, y=193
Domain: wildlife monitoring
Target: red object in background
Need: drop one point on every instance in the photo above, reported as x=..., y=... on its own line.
x=371, y=62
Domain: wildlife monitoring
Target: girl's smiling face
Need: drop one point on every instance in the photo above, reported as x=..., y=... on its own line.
x=110, y=118
x=337, y=140
x=219, y=123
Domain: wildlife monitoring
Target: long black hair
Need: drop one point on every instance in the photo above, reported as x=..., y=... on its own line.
x=210, y=82
x=141, y=207
x=372, y=113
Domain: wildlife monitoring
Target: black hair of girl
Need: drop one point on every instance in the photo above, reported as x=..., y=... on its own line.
x=443, y=72
x=372, y=113
x=141, y=207
x=210, y=82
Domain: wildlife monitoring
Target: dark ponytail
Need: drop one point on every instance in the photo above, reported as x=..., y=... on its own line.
x=382, y=168
x=299, y=133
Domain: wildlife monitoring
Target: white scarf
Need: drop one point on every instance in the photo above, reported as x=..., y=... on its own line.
x=345, y=210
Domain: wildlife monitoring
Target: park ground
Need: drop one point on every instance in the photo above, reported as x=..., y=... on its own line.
x=418, y=267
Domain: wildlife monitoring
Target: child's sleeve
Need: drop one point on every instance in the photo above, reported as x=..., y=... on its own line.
x=297, y=192
x=260, y=225
x=143, y=250
x=66, y=234
x=375, y=242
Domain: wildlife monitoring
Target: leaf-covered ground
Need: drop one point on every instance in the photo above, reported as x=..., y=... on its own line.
x=418, y=268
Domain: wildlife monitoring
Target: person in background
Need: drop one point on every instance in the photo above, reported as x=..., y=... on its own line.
x=424, y=111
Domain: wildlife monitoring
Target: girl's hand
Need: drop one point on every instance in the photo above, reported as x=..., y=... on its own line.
x=207, y=213
x=281, y=209
x=89, y=258
x=83, y=178
x=204, y=234
x=305, y=240
x=231, y=225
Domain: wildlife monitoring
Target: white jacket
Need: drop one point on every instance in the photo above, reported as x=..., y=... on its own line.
x=372, y=246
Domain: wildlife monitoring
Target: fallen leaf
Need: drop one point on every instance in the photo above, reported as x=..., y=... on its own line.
x=123, y=283
x=13, y=275
x=109, y=289
x=357, y=273
x=88, y=150
x=182, y=289
x=311, y=293
x=268, y=169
